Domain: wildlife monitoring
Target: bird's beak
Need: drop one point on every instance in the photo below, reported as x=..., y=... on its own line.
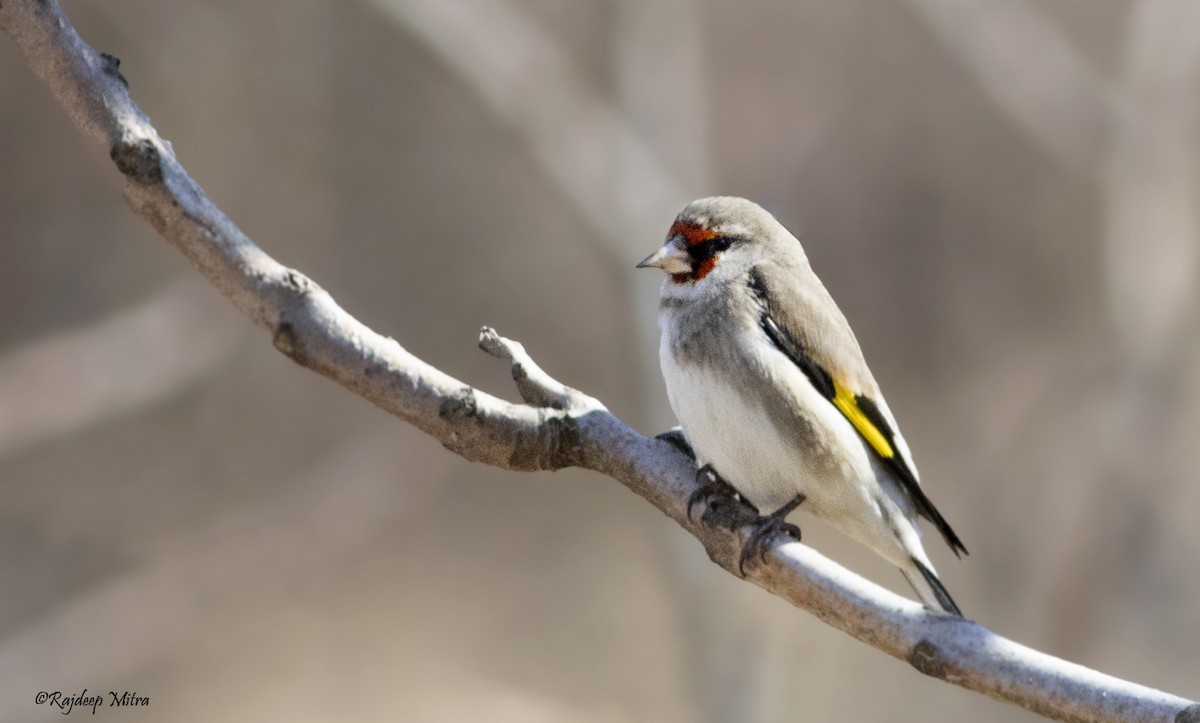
x=672, y=258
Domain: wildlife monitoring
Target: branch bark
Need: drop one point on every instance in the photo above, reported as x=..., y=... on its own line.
x=557, y=426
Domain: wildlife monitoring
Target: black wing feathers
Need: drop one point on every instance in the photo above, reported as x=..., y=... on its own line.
x=823, y=382
x=897, y=464
x=939, y=590
x=817, y=375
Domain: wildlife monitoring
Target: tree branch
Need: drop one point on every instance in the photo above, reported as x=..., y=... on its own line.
x=558, y=427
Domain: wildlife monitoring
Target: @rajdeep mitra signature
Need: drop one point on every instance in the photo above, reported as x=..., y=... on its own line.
x=66, y=702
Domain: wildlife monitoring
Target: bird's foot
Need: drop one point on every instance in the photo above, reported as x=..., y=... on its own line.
x=767, y=530
x=723, y=505
x=714, y=492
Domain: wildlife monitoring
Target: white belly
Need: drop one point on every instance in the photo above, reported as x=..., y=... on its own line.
x=734, y=438
x=768, y=465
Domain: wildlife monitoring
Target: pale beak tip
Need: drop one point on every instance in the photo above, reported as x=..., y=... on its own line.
x=650, y=262
x=670, y=259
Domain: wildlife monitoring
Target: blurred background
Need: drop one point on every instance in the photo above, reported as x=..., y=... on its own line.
x=1001, y=196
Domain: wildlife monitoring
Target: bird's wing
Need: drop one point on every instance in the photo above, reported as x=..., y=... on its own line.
x=833, y=362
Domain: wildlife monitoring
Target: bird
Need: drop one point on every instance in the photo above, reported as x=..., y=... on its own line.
x=773, y=394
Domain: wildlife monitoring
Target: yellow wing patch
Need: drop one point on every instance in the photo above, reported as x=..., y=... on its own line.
x=844, y=399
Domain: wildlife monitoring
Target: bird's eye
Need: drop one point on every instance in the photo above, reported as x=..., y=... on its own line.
x=710, y=247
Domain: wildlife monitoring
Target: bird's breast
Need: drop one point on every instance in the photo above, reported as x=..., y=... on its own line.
x=758, y=420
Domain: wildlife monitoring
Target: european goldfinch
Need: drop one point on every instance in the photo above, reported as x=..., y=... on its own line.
x=772, y=391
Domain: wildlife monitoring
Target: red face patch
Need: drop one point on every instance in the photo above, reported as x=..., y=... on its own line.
x=691, y=233
x=700, y=242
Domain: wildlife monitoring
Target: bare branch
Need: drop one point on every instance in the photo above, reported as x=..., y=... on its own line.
x=605, y=169
x=309, y=327
x=536, y=386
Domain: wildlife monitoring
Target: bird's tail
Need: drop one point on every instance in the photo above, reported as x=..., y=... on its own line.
x=929, y=588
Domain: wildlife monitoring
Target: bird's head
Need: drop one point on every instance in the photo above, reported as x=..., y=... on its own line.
x=720, y=234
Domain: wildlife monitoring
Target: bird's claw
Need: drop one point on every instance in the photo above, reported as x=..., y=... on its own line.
x=766, y=531
x=711, y=485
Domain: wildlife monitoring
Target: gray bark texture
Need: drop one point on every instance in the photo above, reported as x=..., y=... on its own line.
x=556, y=427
